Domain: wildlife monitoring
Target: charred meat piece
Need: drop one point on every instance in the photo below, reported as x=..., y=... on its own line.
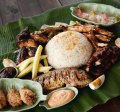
x=95, y=39
x=27, y=96
x=102, y=38
x=27, y=43
x=103, y=31
x=23, y=35
x=82, y=28
x=14, y=98
x=45, y=34
x=24, y=53
x=31, y=51
x=61, y=77
x=40, y=38
x=102, y=60
x=92, y=39
x=3, y=100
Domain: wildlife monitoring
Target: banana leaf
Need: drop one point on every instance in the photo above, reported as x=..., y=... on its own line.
x=87, y=98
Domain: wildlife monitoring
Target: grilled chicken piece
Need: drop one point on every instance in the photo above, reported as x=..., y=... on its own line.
x=62, y=77
x=27, y=43
x=24, y=53
x=23, y=35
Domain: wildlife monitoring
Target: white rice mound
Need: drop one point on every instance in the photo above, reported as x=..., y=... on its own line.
x=68, y=49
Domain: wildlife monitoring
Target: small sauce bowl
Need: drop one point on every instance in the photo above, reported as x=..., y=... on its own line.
x=47, y=97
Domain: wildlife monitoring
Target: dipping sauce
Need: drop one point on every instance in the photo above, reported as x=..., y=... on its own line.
x=60, y=97
x=96, y=17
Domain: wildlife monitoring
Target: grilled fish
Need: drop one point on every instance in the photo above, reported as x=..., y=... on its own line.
x=62, y=77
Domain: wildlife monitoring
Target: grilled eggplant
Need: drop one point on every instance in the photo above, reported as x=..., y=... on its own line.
x=62, y=77
x=23, y=35
x=24, y=53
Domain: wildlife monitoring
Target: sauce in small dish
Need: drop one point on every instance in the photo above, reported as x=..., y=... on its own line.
x=59, y=97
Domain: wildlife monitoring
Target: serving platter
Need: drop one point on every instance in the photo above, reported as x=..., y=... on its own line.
x=86, y=98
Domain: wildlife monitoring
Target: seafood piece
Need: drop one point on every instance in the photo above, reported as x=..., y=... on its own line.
x=8, y=72
x=23, y=35
x=27, y=43
x=62, y=77
x=3, y=100
x=97, y=83
x=27, y=96
x=14, y=98
x=102, y=60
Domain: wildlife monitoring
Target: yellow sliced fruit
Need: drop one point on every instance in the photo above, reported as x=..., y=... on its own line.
x=25, y=71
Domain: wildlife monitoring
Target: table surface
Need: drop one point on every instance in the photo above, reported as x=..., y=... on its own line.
x=11, y=10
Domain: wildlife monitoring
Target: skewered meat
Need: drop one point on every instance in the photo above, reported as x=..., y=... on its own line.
x=3, y=100
x=27, y=96
x=102, y=60
x=23, y=35
x=24, y=53
x=61, y=77
x=14, y=98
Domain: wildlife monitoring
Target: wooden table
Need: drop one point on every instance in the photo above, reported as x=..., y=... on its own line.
x=11, y=10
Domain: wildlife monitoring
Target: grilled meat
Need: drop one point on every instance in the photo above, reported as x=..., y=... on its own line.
x=97, y=36
x=40, y=38
x=102, y=38
x=103, y=31
x=27, y=43
x=102, y=60
x=62, y=77
x=23, y=35
x=24, y=53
